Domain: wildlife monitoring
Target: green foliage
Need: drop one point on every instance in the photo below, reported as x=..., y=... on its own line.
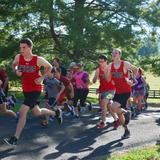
x=151, y=63
x=77, y=30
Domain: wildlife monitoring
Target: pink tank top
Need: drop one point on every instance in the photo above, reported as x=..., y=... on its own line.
x=81, y=79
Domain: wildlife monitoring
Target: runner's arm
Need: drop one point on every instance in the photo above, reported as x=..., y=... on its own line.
x=96, y=76
x=15, y=65
x=107, y=73
x=128, y=65
x=47, y=66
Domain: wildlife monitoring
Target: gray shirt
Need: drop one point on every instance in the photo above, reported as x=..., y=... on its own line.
x=52, y=86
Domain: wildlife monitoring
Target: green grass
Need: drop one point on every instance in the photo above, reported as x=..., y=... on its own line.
x=153, y=81
x=151, y=153
x=153, y=100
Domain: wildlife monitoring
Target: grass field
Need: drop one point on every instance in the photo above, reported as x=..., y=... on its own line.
x=150, y=153
x=153, y=81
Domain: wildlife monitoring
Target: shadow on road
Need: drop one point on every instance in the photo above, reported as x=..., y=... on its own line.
x=10, y=152
x=73, y=136
x=105, y=149
x=82, y=142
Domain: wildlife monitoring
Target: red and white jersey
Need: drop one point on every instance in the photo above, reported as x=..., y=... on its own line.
x=118, y=77
x=30, y=71
x=104, y=84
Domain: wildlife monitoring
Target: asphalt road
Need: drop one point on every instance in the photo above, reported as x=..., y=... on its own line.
x=77, y=138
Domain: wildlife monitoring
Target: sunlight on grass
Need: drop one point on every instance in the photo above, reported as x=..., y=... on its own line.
x=152, y=153
x=153, y=81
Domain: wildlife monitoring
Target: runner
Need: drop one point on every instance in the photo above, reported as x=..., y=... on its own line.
x=119, y=72
x=106, y=89
x=68, y=92
x=146, y=93
x=53, y=88
x=57, y=63
x=27, y=66
x=70, y=99
x=3, y=93
x=81, y=87
x=131, y=80
x=139, y=90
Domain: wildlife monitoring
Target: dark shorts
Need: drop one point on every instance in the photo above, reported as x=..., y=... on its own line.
x=51, y=101
x=31, y=98
x=122, y=99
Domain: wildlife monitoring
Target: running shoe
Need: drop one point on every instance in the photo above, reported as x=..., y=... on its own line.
x=126, y=134
x=43, y=121
x=11, y=141
x=59, y=116
x=101, y=124
x=44, y=124
x=67, y=107
x=72, y=110
x=116, y=124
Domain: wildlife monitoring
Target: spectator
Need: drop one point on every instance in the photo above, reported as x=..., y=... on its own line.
x=81, y=89
x=4, y=78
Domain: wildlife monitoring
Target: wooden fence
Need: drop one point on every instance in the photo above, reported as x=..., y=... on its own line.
x=152, y=93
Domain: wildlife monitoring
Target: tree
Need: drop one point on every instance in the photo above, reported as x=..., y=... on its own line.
x=78, y=29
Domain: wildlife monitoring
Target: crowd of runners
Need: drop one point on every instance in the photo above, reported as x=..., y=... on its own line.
x=122, y=89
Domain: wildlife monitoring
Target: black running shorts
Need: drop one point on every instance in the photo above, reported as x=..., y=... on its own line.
x=31, y=98
x=122, y=99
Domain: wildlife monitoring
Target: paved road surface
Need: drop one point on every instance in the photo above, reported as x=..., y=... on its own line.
x=77, y=138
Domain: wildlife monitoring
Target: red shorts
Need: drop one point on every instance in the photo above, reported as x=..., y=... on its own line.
x=62, y=98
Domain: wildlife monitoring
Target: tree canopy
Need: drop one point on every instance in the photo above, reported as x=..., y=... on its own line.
x=77, y=29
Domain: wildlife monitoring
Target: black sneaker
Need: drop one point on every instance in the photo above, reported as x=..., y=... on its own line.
x=126, y=134
x=127, y=116
x=11, y=141
x=59, y=116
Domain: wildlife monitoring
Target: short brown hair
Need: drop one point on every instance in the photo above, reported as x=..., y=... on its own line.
x=56, y=59
x=118, y=49
x=27, y=41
